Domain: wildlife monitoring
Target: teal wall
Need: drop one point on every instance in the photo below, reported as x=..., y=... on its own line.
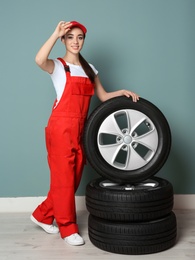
x=146, y=46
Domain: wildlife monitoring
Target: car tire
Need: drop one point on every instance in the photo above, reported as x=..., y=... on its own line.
x=126, y=141
x=133, y=238
x=143, y=201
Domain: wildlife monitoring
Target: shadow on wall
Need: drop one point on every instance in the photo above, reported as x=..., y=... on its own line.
x=89, y=174
x=176, y=170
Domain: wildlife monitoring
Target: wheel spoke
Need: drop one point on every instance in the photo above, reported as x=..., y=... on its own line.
x=110, y=126
x=110, y=152
x=134, y=119
x=150, y=140
x=134, y=161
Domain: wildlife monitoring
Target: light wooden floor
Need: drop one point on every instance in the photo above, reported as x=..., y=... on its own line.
x=20, y=239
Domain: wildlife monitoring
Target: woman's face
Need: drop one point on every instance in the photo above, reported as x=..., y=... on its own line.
x=74, y=40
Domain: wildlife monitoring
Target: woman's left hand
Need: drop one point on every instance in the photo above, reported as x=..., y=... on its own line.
x=128, y=94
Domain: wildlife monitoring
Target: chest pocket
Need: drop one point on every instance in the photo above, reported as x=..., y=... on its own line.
x=83, y=89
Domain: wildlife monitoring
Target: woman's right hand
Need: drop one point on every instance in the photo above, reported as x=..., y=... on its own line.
x=62, y=28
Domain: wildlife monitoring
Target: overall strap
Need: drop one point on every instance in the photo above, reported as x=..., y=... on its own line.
x=66, y=67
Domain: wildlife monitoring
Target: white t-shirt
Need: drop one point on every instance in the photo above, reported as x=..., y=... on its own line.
x=59, y=76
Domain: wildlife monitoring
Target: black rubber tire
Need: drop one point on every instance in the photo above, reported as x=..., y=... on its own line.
x=99, y=163
x=141, y=202
x=133, y=238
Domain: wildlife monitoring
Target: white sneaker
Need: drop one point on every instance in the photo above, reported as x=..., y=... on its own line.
x=74, y=240
x=51, y=229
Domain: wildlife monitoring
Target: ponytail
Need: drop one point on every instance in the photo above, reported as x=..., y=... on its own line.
x=87, y=68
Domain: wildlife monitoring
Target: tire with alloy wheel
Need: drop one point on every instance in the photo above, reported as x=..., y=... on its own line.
x=126, y=141
x=144, y=201
x=133, y=238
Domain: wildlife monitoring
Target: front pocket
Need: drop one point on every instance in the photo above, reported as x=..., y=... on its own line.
x=83, y=89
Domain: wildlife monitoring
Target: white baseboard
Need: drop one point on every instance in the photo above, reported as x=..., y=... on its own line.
x=184, y=202
x=28, y=204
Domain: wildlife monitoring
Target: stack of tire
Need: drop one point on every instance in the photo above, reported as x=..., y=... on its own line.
x=127, y=143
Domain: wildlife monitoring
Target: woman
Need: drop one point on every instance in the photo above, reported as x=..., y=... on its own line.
x=75, y=81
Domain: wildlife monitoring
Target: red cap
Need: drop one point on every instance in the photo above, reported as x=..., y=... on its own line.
x=77, y=24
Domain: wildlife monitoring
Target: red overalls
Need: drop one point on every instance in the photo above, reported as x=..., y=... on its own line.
x=65, y=153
